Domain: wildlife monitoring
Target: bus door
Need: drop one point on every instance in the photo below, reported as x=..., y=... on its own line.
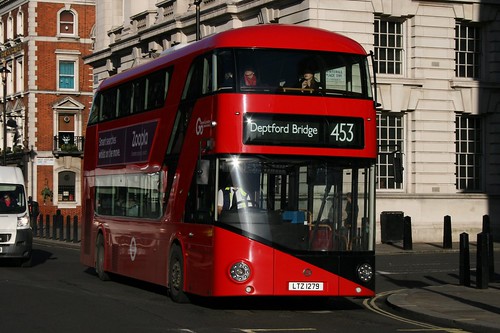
x=198, y=222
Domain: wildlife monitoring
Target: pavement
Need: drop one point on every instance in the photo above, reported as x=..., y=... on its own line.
x=468, y=308
x=450, y=305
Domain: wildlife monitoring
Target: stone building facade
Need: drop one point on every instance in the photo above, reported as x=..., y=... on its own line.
x=438, y=76
x=48, y=93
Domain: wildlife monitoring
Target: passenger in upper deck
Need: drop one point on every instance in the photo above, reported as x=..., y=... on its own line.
x=249, y=78
x=308, y=81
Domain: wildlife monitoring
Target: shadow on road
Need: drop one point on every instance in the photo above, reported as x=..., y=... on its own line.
x=245, y=303
x=37, y=257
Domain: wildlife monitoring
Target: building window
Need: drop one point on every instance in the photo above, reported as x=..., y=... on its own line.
x=467, y=50
x=19, y=75
x=390, y=143
x=388, y=40
x=10, y=28
x=468, y=152
x=66, y=187
x=20, y=23
x=10, y=78
x=66, y=22
x=67, y=75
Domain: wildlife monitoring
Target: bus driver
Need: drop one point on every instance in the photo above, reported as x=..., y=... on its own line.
x=226, y=199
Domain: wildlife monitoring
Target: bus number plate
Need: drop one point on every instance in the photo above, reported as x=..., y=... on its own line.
x=305, y=286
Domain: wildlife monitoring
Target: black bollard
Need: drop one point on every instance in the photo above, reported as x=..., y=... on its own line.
x=54, y=227
x=491, y=261
x=47, y=226
x=35, y=227
x=59, y=221
x=447, y=244
x=75, y=229
x=482, y=268
x=464, y=260
x=407, y=238
x=40, y=228
x=68, y=228
x=486, y=223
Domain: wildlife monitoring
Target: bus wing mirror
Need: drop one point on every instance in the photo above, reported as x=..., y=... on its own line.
x=202, y=172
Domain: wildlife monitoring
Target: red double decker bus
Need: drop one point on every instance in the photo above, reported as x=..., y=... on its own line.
x=241, y=164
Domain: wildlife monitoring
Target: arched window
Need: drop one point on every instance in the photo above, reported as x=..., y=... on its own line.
x=67, y=23
x=66, y=187
x=10, y=28
x=20, y=23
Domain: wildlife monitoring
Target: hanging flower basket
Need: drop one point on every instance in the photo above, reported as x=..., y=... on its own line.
x=47, y=193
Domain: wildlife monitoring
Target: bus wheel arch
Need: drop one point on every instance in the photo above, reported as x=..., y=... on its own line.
x=176, y=275
x=99, y=258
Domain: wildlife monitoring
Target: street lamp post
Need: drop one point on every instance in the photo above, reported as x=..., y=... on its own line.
x=197, y=3
x=4, y=70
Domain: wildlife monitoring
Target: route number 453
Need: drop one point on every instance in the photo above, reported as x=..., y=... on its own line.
x=343, y=132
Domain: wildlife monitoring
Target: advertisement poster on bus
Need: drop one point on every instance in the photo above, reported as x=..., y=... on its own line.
x=130, y=144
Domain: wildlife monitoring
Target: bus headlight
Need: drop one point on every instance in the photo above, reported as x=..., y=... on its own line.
x=240, y=271
x=23, y=222
x=365, y=272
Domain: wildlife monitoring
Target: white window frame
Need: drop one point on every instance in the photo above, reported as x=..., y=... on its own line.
x=476, y=53
x=403, y=47
x=10, y=27
x=20, y=23
x=68, y=57
x=75, y=23
x=466, y=150
x=10, y=77
x=19, y=73
x=387, y=147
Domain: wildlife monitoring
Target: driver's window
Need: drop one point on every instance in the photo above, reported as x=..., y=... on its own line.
x=238, y=185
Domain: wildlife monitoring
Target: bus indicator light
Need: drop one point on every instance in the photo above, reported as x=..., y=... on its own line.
x=365, y=272
x=240, y=271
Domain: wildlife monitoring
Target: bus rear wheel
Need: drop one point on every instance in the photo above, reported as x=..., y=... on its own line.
x=99, y=259
x=176, y=276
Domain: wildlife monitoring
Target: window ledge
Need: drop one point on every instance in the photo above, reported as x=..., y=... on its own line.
x=66, y=204
x=64, y=36
x=464, y=83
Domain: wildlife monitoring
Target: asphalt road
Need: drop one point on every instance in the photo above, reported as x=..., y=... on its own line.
x=58, y=294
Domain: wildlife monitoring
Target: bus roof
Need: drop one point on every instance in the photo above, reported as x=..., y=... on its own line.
x=277, y=36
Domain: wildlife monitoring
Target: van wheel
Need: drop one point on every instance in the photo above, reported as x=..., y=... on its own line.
x=99, y=259
x=176, y=276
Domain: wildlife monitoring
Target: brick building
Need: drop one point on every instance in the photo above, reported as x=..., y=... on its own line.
x=438, y=65
x=47, y=92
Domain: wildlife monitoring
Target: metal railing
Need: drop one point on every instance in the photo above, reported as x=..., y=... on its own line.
x=71, y=147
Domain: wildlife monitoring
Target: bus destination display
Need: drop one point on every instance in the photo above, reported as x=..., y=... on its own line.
x=293, y=130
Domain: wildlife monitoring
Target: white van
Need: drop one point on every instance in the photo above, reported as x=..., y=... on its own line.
x=16, y=236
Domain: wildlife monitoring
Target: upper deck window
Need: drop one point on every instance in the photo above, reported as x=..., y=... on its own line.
x=142, y=94
x=293, y=72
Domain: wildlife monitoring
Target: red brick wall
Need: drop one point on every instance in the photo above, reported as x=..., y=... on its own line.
x=46, y=80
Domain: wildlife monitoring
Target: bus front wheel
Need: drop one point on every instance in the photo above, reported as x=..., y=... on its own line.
x=99, y=259
x=176, y=275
